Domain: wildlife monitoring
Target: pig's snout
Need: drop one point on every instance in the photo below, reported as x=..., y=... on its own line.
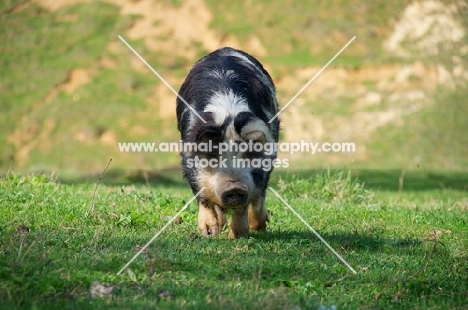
x=235, y=195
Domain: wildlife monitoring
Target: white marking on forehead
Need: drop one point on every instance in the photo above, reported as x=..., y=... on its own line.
x=242, y=56
x=222, y=105
x=224, y=74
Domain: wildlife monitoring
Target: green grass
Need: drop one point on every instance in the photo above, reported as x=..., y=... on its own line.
x=438, y=131
x=403, y=228
x=42, y=47
x=299, y=33
x=409, y=248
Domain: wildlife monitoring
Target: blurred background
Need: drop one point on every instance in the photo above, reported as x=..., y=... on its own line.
x=70, y=90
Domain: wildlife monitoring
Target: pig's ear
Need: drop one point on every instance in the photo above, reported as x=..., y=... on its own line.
x=208, y=133
x=256, y=130
x=255, y=135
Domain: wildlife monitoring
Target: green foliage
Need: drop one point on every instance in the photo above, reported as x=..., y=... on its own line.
x=331, y=185
x=43, y=47
x=410, y=249
x=409, y=246
x=45, y=124
x=296, y=33
x=438, y=131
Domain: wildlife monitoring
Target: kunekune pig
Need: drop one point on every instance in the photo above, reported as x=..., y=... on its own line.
x=234, y=99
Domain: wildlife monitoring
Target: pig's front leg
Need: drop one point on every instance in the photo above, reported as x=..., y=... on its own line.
x=239, y=224
x=210, y=220
x=258, y=216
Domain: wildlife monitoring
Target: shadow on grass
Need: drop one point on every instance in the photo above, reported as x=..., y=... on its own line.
x=378, y=179
x=199, y=255
x=344, y=241
x=169, y=177
x=192, y=267
x=389, y=180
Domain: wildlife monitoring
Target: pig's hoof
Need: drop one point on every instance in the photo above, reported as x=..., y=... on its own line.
x=239, y=224
x=210, y=221
x=258, y=215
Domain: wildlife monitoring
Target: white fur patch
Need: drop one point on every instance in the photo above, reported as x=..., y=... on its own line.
x=242, y=56
x=222, y=105
x=250, y=64
x=192, y=118
x=224, y=74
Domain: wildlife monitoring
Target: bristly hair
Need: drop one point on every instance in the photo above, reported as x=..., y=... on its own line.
x=231, y=82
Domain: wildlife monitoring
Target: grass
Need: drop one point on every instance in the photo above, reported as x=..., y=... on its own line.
x=438, y=131
x=45, y=46
x=409, y=248
x=403, y=228
x=299, y=33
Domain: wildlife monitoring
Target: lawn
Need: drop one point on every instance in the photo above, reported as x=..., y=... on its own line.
x=408, y=246
x=63, y=239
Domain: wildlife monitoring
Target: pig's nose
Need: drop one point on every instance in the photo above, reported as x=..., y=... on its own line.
x=235, y=196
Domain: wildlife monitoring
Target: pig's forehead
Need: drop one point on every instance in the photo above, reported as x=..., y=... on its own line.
x=234, y=126
x=224, y=105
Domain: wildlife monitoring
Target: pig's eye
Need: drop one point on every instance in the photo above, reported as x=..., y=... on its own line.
x=210, y=153
x=209, y=133
x=253, y=154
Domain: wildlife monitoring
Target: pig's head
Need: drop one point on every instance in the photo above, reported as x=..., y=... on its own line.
x=230, y=159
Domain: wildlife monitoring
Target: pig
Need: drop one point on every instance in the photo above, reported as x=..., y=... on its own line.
x=228, y=99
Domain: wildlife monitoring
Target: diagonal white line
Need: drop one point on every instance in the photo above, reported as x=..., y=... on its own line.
x=160, y=231
x=313, y=230
x=311, y=80
x=162, y=79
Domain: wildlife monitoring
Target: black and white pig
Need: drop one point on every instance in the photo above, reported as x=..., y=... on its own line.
x=236, y=98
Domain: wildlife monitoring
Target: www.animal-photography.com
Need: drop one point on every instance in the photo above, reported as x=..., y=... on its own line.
x=201, y=154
